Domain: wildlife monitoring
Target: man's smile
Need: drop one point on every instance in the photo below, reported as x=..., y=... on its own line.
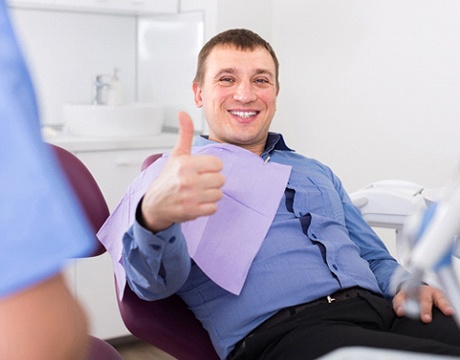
x=243, y=114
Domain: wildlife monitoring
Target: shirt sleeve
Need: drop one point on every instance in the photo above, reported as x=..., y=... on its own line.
x=372, y=248
x=156, y=265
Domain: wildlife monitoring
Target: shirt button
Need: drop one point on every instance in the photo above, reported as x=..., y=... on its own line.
x=335, y=267
x=172, y=239
x=313, y=236
x=156, y=247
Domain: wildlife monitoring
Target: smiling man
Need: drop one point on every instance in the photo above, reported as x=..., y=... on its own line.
x=318, y=277
x=238, y=94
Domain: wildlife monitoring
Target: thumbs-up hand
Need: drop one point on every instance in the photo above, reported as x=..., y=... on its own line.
x=189, y=186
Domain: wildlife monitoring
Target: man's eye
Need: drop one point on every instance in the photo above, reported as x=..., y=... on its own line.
x=261, y=81
x=226, y=79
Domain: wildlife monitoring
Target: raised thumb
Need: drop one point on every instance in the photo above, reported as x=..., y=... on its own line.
x=186, y=132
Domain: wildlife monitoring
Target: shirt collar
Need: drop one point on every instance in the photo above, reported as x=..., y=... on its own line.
x=275, y=141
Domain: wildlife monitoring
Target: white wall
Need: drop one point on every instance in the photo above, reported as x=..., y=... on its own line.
x=225, y=14
x=254, y=14
x=66, y=50
x=371, y=88
x=368, y=87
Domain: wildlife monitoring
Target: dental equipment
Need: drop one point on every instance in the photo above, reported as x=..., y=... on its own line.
x=387, y=204
x=427, y=225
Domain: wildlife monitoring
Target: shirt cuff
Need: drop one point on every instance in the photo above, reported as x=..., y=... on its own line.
x=148, y=241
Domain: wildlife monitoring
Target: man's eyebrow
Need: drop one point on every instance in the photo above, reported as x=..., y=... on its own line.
x=234, y=71
x=226, y=71
x=264, y=72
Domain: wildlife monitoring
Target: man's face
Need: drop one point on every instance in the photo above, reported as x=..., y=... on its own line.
x=238, y=96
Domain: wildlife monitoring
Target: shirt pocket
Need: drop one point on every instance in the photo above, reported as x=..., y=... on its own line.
x=319, y=199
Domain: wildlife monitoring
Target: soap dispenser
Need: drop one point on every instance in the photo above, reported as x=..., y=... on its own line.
x=115, y=90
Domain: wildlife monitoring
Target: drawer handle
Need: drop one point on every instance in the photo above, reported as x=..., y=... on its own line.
x=124, y=162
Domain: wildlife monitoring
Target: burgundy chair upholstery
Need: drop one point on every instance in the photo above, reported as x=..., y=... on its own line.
x=167, y=324
x=95, y=207
x=101, y=350
x=86, y=190
x=149, y=160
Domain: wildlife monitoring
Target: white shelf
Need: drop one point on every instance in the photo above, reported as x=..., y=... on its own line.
x=84, y=144
x=124, y=7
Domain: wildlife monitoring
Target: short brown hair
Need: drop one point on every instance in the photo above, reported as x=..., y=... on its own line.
x=242, y=39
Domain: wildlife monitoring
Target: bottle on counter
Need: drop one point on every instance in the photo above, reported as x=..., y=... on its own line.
x=115, y=90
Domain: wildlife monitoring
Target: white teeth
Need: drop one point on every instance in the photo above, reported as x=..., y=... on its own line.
x=243, y=114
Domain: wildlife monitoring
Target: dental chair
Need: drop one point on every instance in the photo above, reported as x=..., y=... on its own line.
x=95, y=207
x=167, y=324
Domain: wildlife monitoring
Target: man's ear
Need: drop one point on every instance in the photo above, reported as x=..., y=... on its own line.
x=197, y=94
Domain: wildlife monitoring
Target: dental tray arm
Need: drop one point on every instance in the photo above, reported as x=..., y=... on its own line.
x=387, y=203
x=433, y=235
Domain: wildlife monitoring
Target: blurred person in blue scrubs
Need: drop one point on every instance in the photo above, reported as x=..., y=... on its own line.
x=40, y=223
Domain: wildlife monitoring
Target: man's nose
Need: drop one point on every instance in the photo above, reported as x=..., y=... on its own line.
x=244, y=92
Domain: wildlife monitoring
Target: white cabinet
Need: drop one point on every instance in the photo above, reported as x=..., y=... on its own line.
x=92, y=282
x=133, y=7
x=147, y=6
x=31, y=3
x=114, y=164
x=115, y=169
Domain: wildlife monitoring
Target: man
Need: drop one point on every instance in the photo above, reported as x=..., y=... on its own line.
x=321, y=277
x=40, y=224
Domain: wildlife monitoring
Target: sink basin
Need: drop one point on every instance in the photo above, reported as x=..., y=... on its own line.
x=131, y=120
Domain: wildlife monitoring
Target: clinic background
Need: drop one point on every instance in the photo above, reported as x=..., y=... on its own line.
x=370, y=88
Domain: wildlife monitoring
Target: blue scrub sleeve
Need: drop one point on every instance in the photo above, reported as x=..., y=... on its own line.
x=41, y=223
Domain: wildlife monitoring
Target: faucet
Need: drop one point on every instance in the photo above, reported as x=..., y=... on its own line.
x=101, y=87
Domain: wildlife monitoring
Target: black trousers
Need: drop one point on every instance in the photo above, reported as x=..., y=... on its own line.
x=367, y=320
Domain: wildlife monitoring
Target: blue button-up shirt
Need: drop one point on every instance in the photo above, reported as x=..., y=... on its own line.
x=318, y=243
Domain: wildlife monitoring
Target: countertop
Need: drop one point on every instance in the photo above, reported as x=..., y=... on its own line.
x=76, y=143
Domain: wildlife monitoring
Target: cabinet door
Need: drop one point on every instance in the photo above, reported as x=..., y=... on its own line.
x=95, y=289
x=114, y=170
x=92, y=279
